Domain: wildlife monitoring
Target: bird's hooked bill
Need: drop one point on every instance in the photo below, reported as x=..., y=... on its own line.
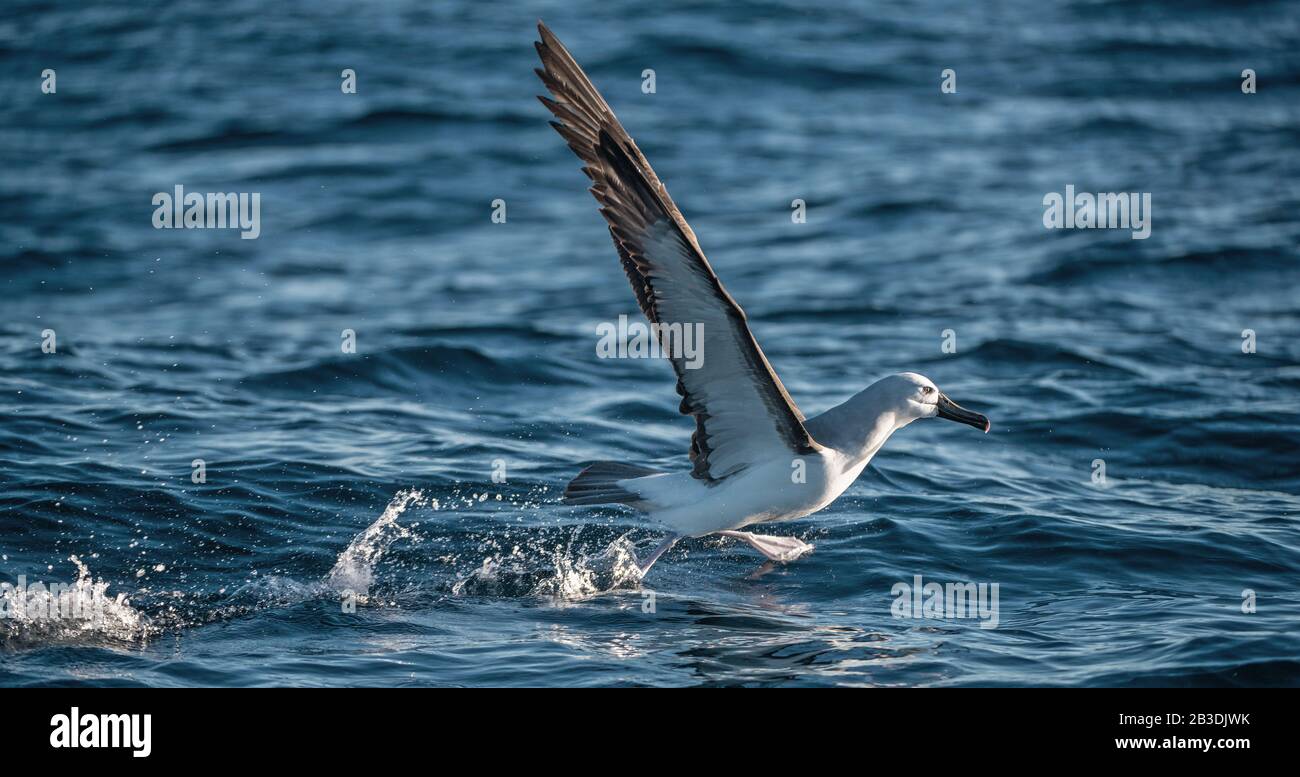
x=955, y=412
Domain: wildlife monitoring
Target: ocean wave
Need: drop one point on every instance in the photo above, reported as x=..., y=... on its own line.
x=449, y=368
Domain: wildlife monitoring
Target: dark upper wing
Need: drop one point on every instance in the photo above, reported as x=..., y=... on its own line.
x=742, y=412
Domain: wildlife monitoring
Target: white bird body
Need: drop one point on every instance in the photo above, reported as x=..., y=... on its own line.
x=755, y=458
x=779, y=489
x=763, y=493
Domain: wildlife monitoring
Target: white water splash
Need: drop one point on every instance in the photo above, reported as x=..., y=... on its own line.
x=614, y=567
x=78, y=612
x=568, y=578
x=354, y=570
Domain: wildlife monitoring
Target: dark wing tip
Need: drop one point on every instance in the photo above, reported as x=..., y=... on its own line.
x=547, y=37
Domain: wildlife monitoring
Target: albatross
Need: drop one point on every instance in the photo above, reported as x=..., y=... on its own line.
x=754, y=457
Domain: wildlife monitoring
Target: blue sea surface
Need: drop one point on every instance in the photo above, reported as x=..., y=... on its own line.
x=392, y=516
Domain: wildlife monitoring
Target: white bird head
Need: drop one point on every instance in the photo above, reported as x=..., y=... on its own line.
x=911, y=396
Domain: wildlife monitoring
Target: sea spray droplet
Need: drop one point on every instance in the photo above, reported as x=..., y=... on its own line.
x=354, y=569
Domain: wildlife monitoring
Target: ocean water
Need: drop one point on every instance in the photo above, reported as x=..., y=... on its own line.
x=391, y=516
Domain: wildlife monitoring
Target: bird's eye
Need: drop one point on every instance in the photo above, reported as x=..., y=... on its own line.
x=927, y=391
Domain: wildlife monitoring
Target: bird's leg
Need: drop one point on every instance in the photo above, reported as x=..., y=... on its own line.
x=775, y=548
x=663, y=547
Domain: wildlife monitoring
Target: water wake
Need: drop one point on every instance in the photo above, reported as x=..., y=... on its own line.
x=539, y=564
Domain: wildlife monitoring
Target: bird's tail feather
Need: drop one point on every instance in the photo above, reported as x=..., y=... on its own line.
x=598, y=484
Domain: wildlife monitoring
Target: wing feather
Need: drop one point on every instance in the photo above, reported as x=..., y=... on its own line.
x=742, y=411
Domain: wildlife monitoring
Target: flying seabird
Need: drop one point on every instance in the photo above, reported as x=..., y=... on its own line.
x=750, y=438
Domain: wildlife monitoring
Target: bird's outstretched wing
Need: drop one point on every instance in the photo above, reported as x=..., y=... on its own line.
x=742, y=412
